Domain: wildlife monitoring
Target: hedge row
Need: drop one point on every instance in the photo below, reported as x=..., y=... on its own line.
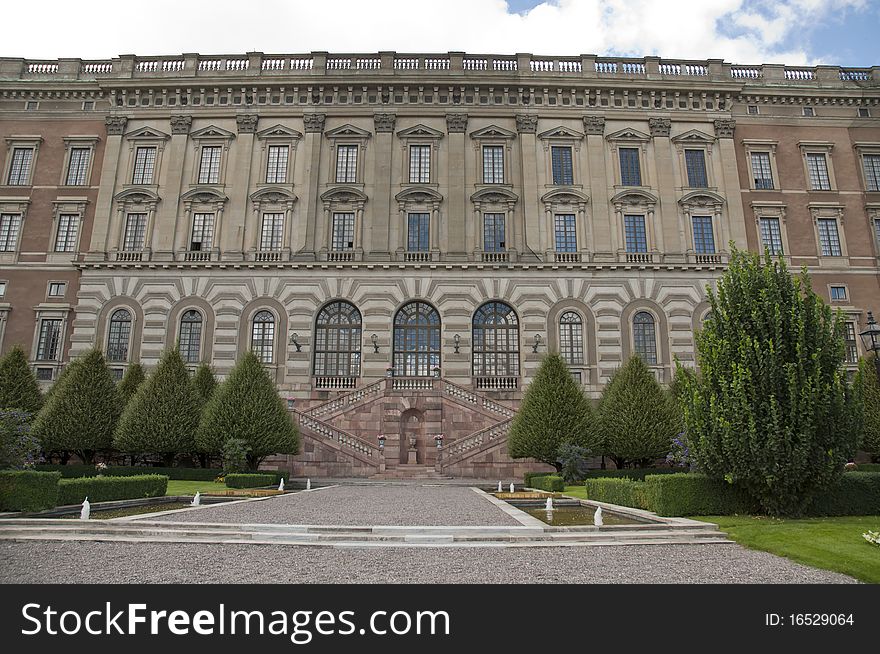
x=552, y=483
x=868, y=467
x=75, y=470
x=28, y=490
x=637, y=474
x=529, y=476
x=250, y=480
x=685, y=494
x=105, y=489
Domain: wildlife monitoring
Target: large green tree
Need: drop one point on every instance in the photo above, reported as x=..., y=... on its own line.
x=204, y=383
x=131, y=381
x=637, y=417
x=18, y=385
x=163, y=416
x=81, y=412
x=771, y=410
x=553, y=412
x=870, y=390
x=247, y=406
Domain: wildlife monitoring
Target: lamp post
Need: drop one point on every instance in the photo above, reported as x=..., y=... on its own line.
x=871, y=340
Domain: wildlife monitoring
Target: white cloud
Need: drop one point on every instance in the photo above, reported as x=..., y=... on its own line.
x=741, y=31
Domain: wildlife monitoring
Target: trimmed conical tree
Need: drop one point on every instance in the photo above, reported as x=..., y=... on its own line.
x=870, y=390
x=637, y=418
x=18, y=385
x=771, y=410
x=163, y=416
x=204, y=383
x=132, y=380
x=553, y=412
x=248, y=407
x=82, y=409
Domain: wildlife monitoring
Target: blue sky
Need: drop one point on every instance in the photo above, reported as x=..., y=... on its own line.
x=794, y=32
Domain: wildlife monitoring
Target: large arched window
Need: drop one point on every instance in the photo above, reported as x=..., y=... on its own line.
x=263, y=336
x=571, y=338
x=645, y=337
x=496, y=341
x=119, y=335
x=338, y=341
x=416, y=340
x=190, y=336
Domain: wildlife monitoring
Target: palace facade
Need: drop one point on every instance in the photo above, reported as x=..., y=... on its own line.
x=402, y=238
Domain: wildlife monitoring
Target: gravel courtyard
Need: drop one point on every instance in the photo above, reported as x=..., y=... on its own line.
x=80, y=562
x=361, y=505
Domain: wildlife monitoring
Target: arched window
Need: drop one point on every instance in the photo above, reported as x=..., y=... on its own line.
x=190, y=336
x=645, y=337
x=496, y=341
x=338, y=341
x=119, y=335
x=263, y=336
x=416, y=340
x=571, y=338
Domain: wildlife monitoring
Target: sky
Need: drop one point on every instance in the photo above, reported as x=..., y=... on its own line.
x=793, y=32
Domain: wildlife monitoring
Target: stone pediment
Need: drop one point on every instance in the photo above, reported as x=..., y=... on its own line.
x=701, y=198
x=347, y=131
x=344, y=194
x=629, y=134
x=694, y=136
x=419, y=131
x=147, y=134
x=565, y=196
x=493, y=132
x=561, y=133
x=418, y=194
x=212, y=132
x=136, y=195
x=494, y=195
x=634, y=196
x=203, y=194
x=273, y=194
x=279, y=131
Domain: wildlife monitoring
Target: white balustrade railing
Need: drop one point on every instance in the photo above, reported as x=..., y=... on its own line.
x=406, y=63
x=474, y=64
x=42, y=68
x=799, y=74
x=97, y=67
x=369, y=63
x=436, y=63
x=469, y=397
x=496, y=383
x=412, y=384
x=606, y=67
x=127, y=256
x=338, y=63
x=495, y=257
x=268, y=256
x=328, y=431
x=273, y=64
x=197, y=255
x=335, y=383
x=567, y=257
x=340, y=256
x=504, y=64
x=493, y=434
x=301, y=63
x=349, y=399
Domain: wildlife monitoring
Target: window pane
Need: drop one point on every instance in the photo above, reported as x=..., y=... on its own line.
x=65, y=239
x=704, y=239
x=566, y=237
x=119, y=335
x=191, y=336
x=871, y=163
x=495, y=341
x=645, y=337
x=852, y=346
x=346, y=164
x=338, y=341
x=416, y=340
x=343, y=232
x=571, y=338
x=144, y=164
x=417, y=232
x=563, y=171
x=272, y=233
x=50, y=340
x=761, y=170
x=420, y=164
x=135, y=231
x=202, y=232
x=20, y=168
x=695, y=162
x=493, y=232
x=493, y=164
x=817, y=165
x=78, y=166
x=771, y=237
x=276, y=169
x=829, y=240
x=630, y=170
x=10, y=224
x=636, y=237
x=263, y=336
x=209, y=166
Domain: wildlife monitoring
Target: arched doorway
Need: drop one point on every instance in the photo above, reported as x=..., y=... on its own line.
x=412, y=437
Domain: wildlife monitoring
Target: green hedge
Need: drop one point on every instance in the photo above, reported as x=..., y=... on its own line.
x=620, y=491
x=28, y=490
x=105, y=489
x=75, y=470
x=242, y=480
x=867, y=467
x=552, y=483
x=685, y=494
x=637, y=474
x=858, y=493
x=529, y=476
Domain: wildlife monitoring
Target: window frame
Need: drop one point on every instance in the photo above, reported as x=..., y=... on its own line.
x=423, y=217
x=56, y=282
x=500, y=147
x=416, y=346
x=355, y=170
x=626, y=239
x=324, y=344
x=821, y=211
x=277, y=217
x=423, y=147
x=575, y=340
x=199, y=340
x=125, y=231
x=838, y=285
x=72, y=144
x=511, y=353
x=39, y=354
x=762, y=146
x=570, y=232
x=349, y=228
x=810, y=149
x=635, y=337
x=866, y=149
x=559, y=147
x=11, y=245
x=498, y=218
x=14, y=143
x=108, y=345
x=712, y=233
x=270, y=341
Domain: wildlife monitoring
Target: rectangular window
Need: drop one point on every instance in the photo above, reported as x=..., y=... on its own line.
x=829, y=239
x=852, y=346
x=343, y=232
x=493, y=164
x=493, y=232
x=817, y=165
x=65, y=238
x=809, y=111
x=202, y=232
x=50, y=340
x=417, y=235
x=761, y=170
x=704, y=237
x=78, y=167
x=419, y=164
x=636, y=237
x=346, y=164
x=144, y=165
x=272, y=232
x=57, y=289
x=771, y=236
x=563, y=169
x=864, y=112
x=695, y=162
x=10, y=224
x=209, y=165
x=630, y=169
x=135, y=231
x=20, y=167
x=877, y=231
x=871, y=163
x=838, y=293
x=3, y=289
x=753, y=109
x=566, y=236
x=276, y=168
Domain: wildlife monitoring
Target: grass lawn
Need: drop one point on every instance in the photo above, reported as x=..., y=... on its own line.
x=181, y=487
x=579, y=491
x=829, y=543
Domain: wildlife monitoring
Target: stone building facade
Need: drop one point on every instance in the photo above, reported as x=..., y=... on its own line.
x=401, y=238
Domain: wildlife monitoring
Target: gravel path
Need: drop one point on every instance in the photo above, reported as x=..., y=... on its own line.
x=360, y=505
x=81, y=562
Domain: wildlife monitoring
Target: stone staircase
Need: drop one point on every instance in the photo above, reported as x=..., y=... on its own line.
x=410, y=471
